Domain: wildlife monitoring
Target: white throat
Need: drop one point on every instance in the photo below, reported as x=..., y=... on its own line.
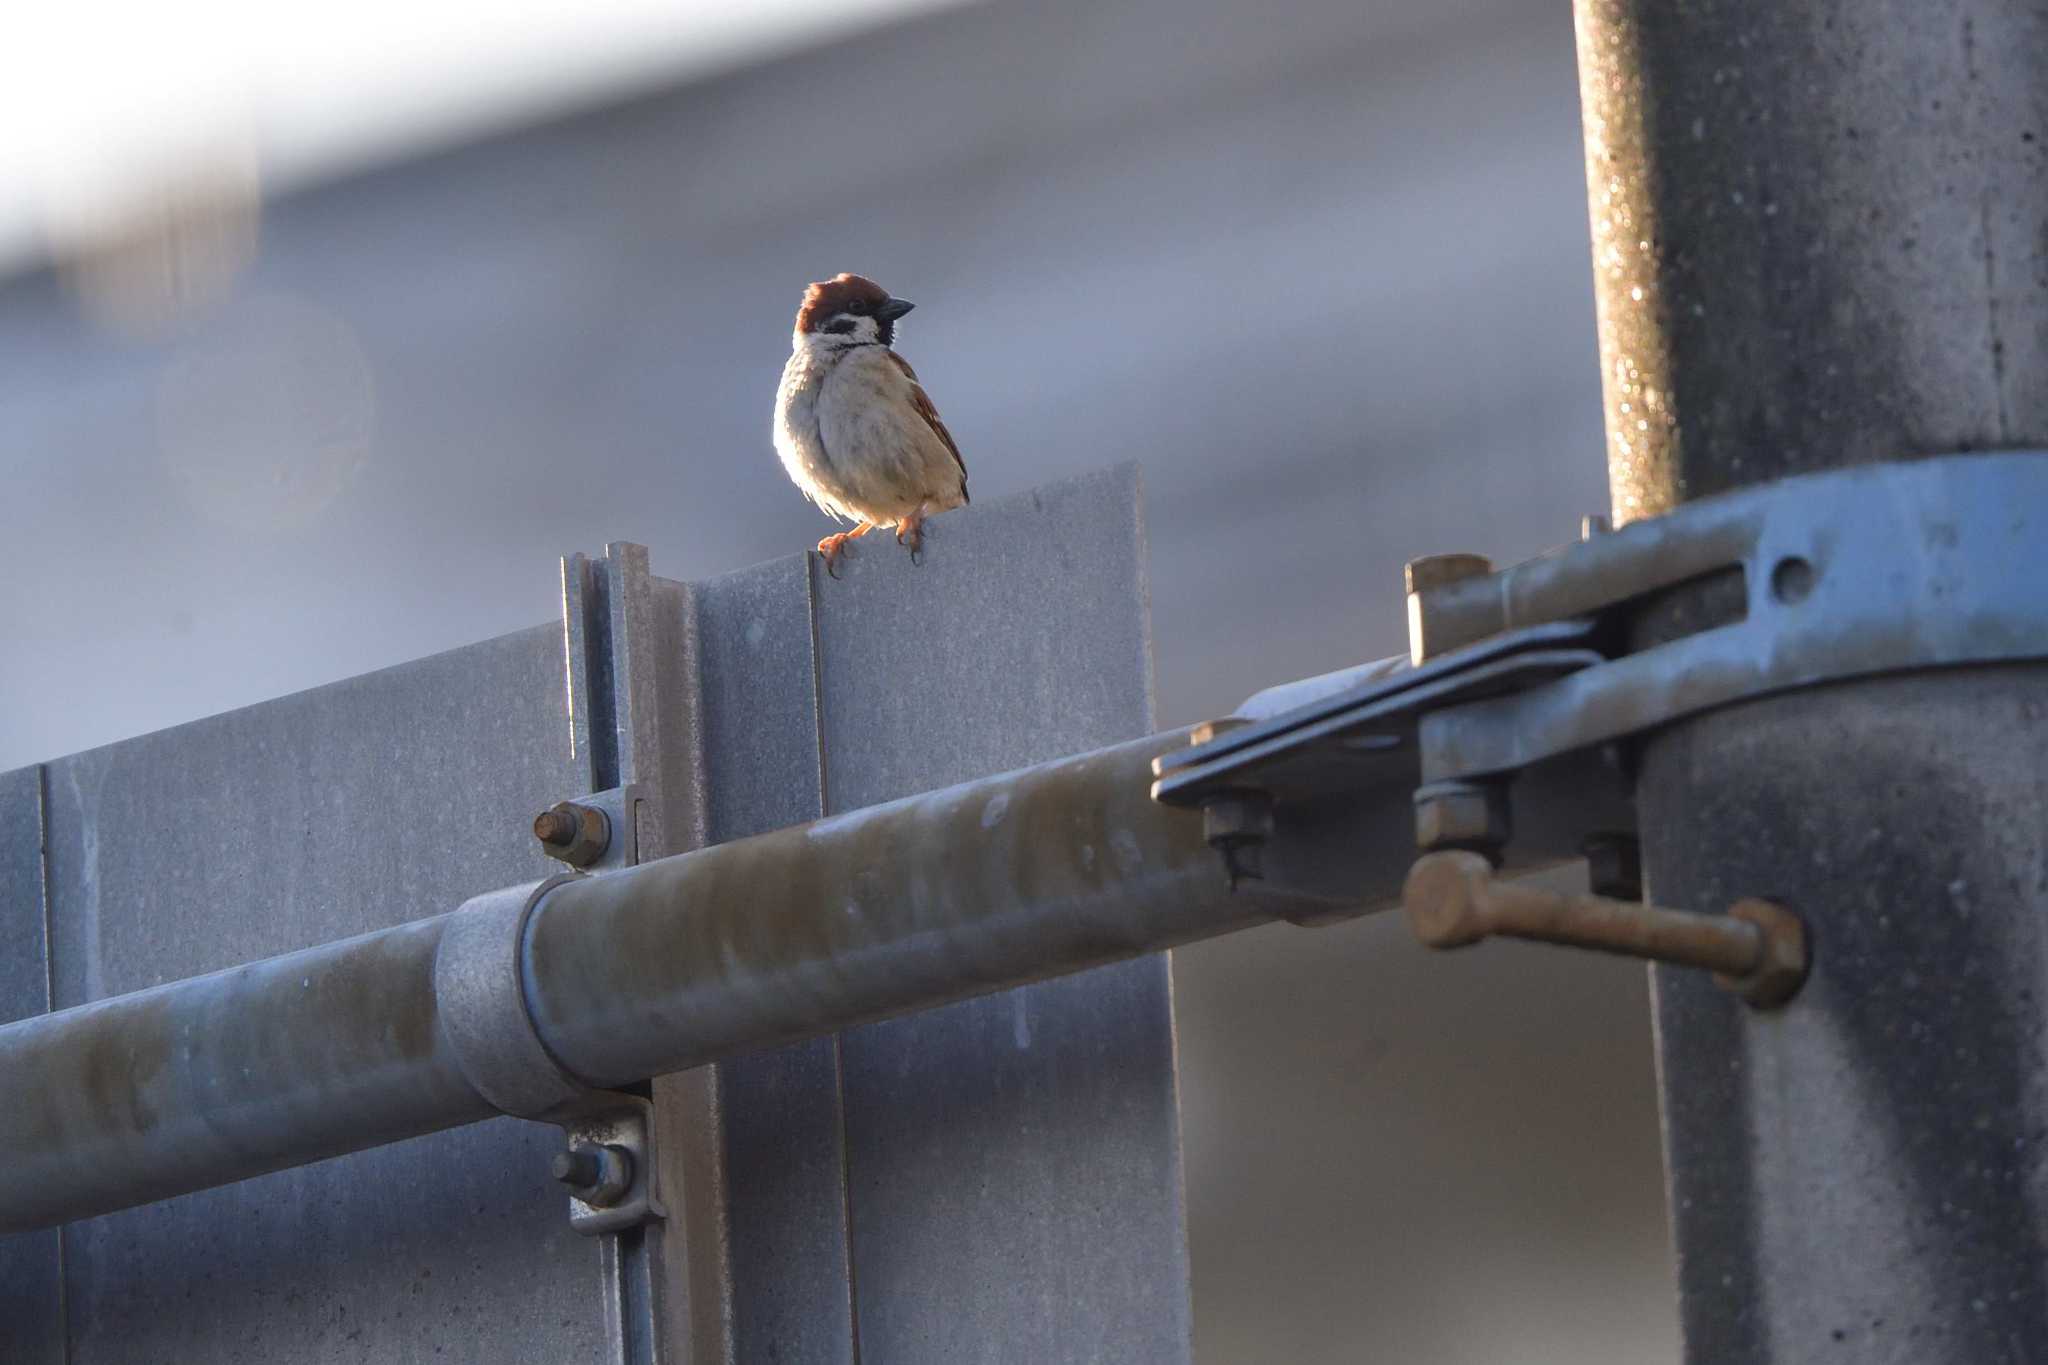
x=824, y=345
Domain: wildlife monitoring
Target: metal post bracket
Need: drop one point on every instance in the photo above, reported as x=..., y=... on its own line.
x=1876, y=569
x=1504, y=730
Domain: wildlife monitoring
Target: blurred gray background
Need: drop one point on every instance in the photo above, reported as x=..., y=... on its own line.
x=1321, y=267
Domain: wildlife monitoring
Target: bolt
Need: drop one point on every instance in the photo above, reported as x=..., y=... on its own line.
x=599, y=1174
x=1433, y=571
x=577, y=835
x=579, y=1166
x=1469, y=815
x=1423, y=576
x=1758, y=949
x=555, y=828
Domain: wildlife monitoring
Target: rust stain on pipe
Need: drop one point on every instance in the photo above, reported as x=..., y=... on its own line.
x=902, y=906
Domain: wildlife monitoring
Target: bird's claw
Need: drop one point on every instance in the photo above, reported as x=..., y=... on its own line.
x=833, y=548
x=910, y=535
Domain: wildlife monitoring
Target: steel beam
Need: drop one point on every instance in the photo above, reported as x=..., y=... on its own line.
x=1817, y=243
x=633, y=974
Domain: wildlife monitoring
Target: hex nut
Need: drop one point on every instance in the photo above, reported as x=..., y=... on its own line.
x=1232, y=818
x=1462, y=815
x=575, y=834
x=1237, y=824
x=1614, y=866
x=1786, y=959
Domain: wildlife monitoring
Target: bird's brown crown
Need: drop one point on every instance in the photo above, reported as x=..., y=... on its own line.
x=842, y=293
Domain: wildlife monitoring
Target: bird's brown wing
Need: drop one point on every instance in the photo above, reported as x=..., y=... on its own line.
x=921, y=400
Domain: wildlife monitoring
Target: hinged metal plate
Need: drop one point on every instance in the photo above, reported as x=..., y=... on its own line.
x=1877, y=569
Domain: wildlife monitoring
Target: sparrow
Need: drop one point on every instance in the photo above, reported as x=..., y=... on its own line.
x=855, y=430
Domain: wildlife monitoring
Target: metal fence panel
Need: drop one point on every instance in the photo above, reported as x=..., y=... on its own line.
x=1002, y=1176
x=998, y=1180
x=1013, y=1163
x=782, y=1125
x=321, y=815
x=31, y=1264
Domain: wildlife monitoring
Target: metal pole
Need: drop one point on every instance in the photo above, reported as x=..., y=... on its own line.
x=1820, y=235
x=516, y=1001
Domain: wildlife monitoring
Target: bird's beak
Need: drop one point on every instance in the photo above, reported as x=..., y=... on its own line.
x=894, y=309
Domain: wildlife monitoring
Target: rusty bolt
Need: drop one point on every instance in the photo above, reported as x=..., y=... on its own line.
x=1472, y=815
x=1758, y=950
x=577, y=835
x=1781, y=967
x=1444, y=897
x=599, y=1174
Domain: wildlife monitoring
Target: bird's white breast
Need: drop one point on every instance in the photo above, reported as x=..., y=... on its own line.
x=797, y=438
x=851, y=437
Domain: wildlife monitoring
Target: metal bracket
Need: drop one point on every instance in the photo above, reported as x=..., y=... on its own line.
x=1878, y=569
x=613, y=1130
x=1365, y=734
x=608, y=1161
x=480, y=997
x=1524, y=682
x=596, y=833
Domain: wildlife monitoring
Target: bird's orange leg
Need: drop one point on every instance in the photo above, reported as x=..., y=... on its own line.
x=910, y=532
x=833, y=547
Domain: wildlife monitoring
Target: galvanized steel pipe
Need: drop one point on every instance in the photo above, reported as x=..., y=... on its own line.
x=196, y=1083
x=931, y=899
x=509, y=1003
